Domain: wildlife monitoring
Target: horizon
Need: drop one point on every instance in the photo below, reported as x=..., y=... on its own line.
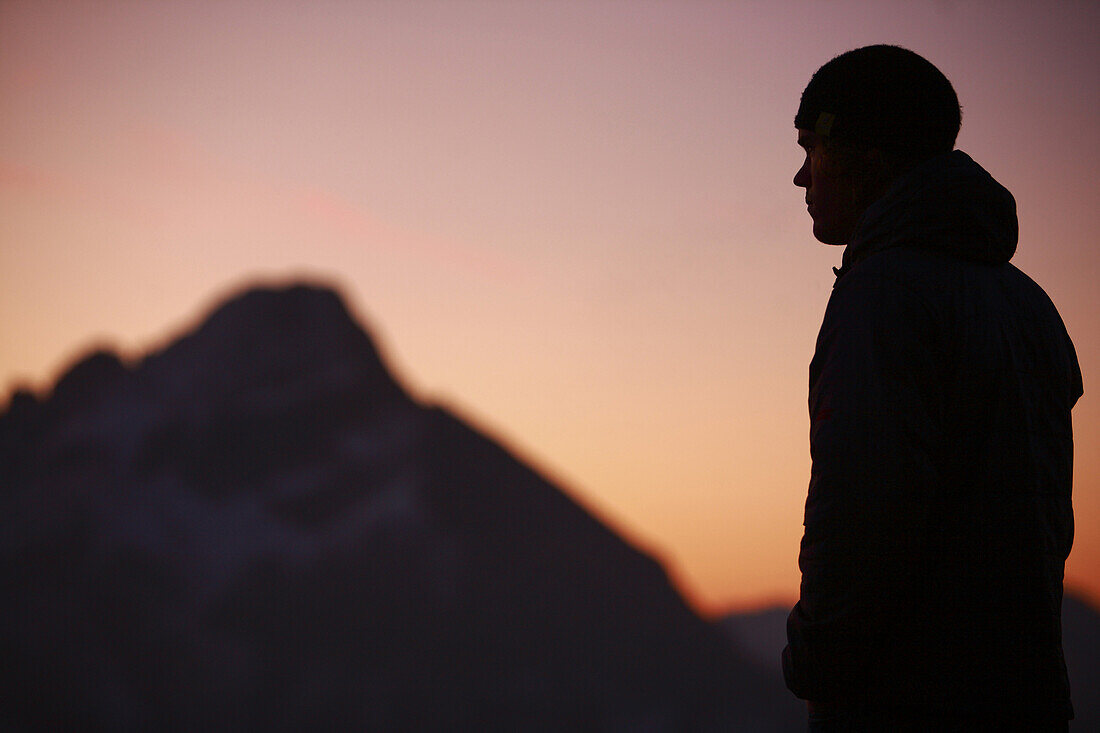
x=574, y=223
x=135, y=360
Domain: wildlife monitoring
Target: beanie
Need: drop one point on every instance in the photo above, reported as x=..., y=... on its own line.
x=885, y=97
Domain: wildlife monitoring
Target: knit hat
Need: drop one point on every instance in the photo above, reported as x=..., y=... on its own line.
x=885, y=97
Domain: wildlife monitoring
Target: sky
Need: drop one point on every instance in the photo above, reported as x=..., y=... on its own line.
x=573, y=222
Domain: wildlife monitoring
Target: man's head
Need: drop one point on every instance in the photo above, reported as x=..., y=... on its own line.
x=865, y=118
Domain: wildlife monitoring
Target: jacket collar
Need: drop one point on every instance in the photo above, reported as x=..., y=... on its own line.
x=948, y=204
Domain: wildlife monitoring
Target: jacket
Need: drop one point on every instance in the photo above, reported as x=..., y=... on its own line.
x=938, y=518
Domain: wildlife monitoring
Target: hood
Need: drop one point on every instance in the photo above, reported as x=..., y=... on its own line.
x=948, y=204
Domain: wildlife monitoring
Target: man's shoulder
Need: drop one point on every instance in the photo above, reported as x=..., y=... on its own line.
x=928, y=284
x=899, y=277
x=908, y=266
x=931, y=271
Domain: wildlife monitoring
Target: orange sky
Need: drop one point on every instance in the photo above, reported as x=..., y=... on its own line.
x=573, y=221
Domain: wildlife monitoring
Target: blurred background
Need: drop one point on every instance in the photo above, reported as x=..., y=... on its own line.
x=572, y=221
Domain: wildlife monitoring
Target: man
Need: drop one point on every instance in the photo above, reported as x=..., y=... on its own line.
x=938, y=518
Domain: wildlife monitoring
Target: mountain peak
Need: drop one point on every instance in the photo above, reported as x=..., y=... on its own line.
x=265, y=345
x=255, y=528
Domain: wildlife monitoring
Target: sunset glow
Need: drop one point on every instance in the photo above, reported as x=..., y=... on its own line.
x=573, y=222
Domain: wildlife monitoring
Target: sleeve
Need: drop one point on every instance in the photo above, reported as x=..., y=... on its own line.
x=876, y=414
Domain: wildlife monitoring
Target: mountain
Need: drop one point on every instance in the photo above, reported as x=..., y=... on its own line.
x=762, y=634
x=257, y=528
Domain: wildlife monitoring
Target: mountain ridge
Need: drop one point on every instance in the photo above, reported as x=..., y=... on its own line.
x=256, y=526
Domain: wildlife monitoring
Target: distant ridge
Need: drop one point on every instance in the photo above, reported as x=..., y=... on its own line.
x=759, y=634
x=256, y=528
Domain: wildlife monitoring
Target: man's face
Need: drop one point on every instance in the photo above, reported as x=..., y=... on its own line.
x=833, y=195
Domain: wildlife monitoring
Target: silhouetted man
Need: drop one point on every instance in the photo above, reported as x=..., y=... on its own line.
x=939, y=518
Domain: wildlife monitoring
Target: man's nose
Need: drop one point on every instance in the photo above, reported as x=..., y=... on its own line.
x=802, y=178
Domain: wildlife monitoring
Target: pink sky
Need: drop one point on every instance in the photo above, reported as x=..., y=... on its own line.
x=573, y=221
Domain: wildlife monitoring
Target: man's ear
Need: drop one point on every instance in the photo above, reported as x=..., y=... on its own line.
x=881, y=171
x=876, y=162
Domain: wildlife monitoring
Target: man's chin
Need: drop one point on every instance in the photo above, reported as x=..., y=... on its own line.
x=826, y=236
